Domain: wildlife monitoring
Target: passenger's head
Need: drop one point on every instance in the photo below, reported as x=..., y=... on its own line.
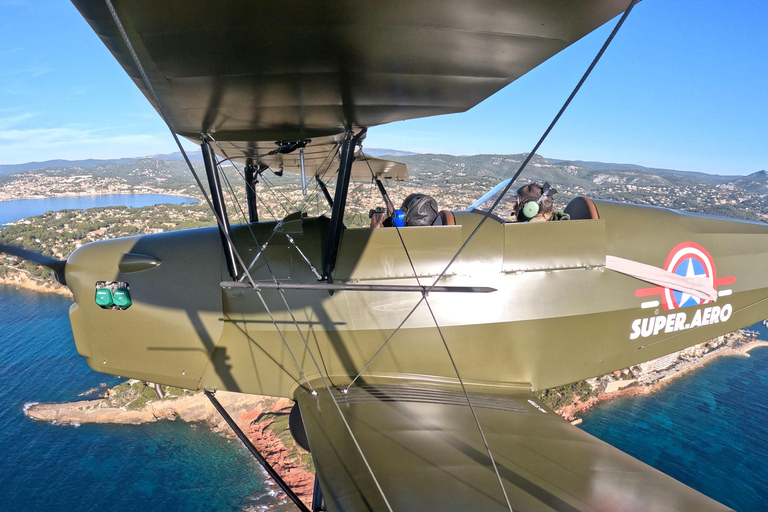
x=420, y=210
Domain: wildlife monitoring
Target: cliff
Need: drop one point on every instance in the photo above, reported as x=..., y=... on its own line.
x=21, y=279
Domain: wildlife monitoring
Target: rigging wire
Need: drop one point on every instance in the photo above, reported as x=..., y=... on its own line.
x=272, y=274
x=453, y=363
x=471, y=407
x=253, y=235
x=469, y=238
x=261, y=298
x=220, y=221
x=320, y=373
x=541, y=139
x=455, y=257
x=525, y=162
x=327, y=164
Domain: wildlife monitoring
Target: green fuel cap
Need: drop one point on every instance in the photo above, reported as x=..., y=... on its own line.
x=122, y=297
x=104, y=297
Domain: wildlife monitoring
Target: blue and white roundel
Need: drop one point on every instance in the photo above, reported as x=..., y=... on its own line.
x=689, y=260
x=689, y=267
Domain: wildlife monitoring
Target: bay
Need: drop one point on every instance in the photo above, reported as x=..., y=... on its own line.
x=17, y=209
x=708, y=429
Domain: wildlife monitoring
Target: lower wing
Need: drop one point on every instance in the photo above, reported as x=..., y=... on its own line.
x=412, y=449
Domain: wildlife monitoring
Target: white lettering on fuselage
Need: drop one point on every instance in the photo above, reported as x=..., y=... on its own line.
x=673, y=322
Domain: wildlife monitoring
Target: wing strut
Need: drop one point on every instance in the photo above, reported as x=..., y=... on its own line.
x=258, y=456
x=339, y=202
x=325, y=191
x=251, y=179
x=220, y=209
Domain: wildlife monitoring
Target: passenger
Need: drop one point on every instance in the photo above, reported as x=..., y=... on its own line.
x=381, y=217
x=417, y=210
x=534, y=204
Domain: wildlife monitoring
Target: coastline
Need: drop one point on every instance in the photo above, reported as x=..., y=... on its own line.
x=572, y=412
x=143, y=191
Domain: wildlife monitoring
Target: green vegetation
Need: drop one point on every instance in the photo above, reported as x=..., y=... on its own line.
x=133, y=394
x=562, y=396
x=279, y=425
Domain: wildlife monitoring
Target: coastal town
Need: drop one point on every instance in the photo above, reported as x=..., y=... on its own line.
x=572, y=401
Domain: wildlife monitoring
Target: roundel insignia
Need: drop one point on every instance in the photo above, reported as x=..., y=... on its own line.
x=688, y=260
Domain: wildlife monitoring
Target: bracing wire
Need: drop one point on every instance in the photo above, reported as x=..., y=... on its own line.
x=524, y=163
x=221, y=224
x=320, y=373
x=453, y=363
x=541, y=139
x=477, y=228
x=261, y=298
x=442, y=274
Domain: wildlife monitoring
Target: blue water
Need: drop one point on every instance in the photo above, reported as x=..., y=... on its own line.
x=16, y=209
x=161, y=466
x=708, y=429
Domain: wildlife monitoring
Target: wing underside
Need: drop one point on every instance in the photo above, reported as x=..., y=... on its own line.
x=247, y=72
x=425, y=452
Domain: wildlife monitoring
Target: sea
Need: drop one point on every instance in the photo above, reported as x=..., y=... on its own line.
x=708, y=429
x=169, y=465
x=16, y=209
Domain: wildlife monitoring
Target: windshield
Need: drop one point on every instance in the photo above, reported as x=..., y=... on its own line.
x=505, y=206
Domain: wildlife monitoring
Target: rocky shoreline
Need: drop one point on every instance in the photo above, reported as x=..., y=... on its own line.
x=572, y=412
x=24, y=281
x=263, y=419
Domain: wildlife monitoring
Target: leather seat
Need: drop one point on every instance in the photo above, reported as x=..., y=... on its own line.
x=581, y=208
x=445, y=218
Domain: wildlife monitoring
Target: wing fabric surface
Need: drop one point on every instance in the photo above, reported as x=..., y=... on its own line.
x=248, y=72
x=424, y=449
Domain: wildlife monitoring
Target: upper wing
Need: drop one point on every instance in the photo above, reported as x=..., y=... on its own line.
x=247, y=71
x=424, y=449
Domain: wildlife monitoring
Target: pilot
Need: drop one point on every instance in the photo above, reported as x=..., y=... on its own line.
x=534, y=204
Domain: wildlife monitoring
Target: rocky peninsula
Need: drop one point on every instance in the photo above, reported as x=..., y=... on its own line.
x=263, y=419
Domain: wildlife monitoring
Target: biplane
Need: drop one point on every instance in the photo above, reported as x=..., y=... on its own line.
x=412, y=353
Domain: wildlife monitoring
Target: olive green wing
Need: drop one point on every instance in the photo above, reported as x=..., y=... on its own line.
x=253, y=73
x=420, y=449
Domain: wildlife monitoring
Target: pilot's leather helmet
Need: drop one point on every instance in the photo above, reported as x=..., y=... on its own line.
x=420, y=210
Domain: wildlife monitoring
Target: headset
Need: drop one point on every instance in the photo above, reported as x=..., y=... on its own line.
x=398, y=218
x=529, y=209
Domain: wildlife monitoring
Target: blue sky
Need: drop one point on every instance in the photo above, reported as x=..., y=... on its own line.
x=682, y=87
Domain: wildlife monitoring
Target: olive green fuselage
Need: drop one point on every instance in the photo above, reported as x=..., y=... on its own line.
x=558, y=315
